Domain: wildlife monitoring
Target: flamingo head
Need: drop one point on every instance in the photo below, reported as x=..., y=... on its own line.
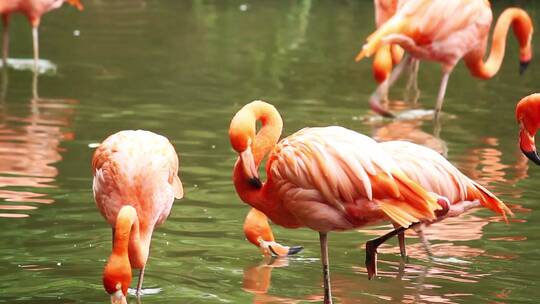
x=242, y=135
x=523, y=29
x=528, y=117
x=117, y=278
x=76, y=3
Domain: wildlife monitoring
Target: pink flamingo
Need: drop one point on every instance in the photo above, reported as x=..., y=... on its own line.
x=528, y=117
x=33, y=10
x=327, y=179
x=135, y=183
x=461, y=32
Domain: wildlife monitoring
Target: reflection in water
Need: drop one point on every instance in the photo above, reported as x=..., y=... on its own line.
x=29, y=146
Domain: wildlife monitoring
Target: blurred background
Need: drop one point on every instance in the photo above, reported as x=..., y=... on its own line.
x=182, y=69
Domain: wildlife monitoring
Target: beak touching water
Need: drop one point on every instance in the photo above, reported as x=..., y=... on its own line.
x=526, y=143
x=118, y=297
x=250, y=169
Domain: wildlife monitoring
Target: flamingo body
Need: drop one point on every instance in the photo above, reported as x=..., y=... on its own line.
x=135, y=183
x=446, y=31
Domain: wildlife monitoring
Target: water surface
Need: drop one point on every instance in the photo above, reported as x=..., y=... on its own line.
x=182, y=69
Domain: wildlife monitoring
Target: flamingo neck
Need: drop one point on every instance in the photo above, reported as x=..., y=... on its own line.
x=521, y=23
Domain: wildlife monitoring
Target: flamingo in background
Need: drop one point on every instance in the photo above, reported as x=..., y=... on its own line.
x=528, y=117
x=33, y=10
x=258, y=232
x=326, y=179
x=135, y=183
x=461, y=32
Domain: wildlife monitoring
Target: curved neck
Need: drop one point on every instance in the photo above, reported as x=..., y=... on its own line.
x=521, y=23
x=128, y=239
x=243, y=132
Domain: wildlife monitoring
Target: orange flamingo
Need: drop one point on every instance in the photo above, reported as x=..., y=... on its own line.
x=258, y=232
x=461, y=32
x=435, y=174
x=528, y=117
x=327, y=179
x=33, y=9
x=135, y=183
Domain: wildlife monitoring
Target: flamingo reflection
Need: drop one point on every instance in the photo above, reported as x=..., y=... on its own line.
x=29, y=146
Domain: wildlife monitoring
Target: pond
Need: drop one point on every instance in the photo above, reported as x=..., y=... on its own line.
x=182, y=69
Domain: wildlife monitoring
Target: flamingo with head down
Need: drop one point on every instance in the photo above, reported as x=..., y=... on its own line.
x=437, y=175
x=326, y=179
x=33, y=10
x=528, y=117
x=135, y=183
x=461, y=31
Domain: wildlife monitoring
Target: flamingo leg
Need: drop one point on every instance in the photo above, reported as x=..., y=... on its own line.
x=371, y=250
x=424, y=240
x=5, y=39
x=412, y=91
x=382, y=89
x=35, y=38
x=442, y=92
x=139, y=283
x=326, y=269
x=402, y=249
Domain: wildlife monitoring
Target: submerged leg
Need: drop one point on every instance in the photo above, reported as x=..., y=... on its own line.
x=382, y=89
x=139, y=283
x=442, y=92
x=326, y=268
x=5, y=39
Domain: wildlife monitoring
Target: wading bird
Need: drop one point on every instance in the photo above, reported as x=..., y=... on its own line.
x=258, y=232
x=326, y=179
x=33, y=10
x=528, y=117
x=135, y=183
x=437, y=175
x=460, y=32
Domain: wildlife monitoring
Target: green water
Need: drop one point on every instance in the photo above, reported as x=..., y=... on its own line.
x=182, y=69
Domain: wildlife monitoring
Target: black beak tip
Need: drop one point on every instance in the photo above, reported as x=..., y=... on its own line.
x=294, y=250
x=255, y=182
x=533, y=156
x=523, y=65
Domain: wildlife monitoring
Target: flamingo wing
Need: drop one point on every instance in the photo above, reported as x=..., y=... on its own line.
x=348, y=176
x=436, y=174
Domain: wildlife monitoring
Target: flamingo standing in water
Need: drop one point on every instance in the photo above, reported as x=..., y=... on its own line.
x=327, y=179
x=528, y=117
x=135, y=183
x=437, y=175
x=33, y=10
x=462, y=31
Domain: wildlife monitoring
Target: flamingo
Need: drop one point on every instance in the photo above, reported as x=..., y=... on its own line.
x=528, y=117
x=326, y=179
x=135, y=183
x=461, y=32
x=33, y=9
x=435, y=174
x=258, y=232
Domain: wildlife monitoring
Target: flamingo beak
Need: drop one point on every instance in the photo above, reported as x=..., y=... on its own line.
x=250, y=169
x=118, y=297
x=526, y=143
x=523, y=65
